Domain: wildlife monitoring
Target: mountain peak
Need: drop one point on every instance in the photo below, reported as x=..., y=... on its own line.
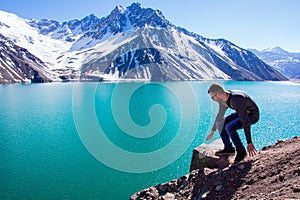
x=135, y=5
x=278, y=50
x=141, y=17
x=132, y=16
x=118, y=10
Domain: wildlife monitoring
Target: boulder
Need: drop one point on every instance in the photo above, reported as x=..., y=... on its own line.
x=204, y=156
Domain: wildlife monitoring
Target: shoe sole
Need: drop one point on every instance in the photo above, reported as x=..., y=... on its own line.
x=240, y=160
x=220, y=154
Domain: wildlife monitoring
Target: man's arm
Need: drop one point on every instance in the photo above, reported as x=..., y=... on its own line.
x=220, y=116
x=241, y=109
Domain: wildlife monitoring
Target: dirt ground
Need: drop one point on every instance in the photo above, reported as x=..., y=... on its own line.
x=274, y=173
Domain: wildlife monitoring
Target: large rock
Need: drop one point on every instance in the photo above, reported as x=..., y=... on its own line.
x=204, y=156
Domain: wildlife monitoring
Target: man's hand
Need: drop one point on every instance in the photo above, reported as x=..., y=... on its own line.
x=251, y=150
x=209, y=136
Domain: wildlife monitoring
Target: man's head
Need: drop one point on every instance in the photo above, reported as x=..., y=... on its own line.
x=216, y=88
x=217, y=92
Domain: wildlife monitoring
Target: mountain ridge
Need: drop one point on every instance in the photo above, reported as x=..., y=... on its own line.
x=88, y=48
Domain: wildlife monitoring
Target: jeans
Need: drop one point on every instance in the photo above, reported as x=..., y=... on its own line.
x=228, y=130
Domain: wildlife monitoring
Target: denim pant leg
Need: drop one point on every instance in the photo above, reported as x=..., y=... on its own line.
x=223, y=133
x=231, y=129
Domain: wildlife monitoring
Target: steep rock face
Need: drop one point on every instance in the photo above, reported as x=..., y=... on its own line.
x=18, y=65
x=155, y=54
x=242, y=64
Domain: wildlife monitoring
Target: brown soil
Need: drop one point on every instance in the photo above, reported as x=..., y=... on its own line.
x=274, y=173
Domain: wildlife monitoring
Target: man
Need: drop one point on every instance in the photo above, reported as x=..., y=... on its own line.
x=246, y=113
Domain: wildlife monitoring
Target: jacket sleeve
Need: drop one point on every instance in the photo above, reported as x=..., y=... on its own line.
x=220, y=115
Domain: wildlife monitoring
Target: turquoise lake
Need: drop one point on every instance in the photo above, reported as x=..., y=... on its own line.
x=109, y=140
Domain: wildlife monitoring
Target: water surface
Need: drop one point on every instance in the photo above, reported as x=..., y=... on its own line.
x=44, y=154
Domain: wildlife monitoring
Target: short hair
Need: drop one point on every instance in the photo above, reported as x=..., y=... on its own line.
x=216, y=88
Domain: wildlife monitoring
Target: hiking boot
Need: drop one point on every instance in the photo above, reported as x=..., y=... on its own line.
x=225, y=151
x=240, y=155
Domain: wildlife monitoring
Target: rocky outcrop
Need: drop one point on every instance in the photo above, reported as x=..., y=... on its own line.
x=272, y=174
x=203, y=156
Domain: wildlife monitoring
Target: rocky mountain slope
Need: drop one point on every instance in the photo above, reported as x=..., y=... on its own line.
x=19, y=65
x=286, y=62
x=273, y=174
x=132, y=43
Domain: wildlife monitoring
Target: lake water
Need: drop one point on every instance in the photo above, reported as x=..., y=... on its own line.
x=109, y=140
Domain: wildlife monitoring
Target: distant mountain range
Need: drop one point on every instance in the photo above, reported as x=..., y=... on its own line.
x=285, y=62
x=133, y=43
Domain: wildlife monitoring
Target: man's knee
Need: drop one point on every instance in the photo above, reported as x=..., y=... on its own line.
x=233, y=126
x=227, y=128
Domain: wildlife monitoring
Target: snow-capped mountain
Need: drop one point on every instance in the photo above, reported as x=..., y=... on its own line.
x=285, y=62
x=131, y=43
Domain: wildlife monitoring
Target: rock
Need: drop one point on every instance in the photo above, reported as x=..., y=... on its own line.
x=204, y=195
x=168, y=196
x=245, y=187
x=296, y=190
x=297, y=171
x=163, y=188
x=241, y=167
x=219, y=187
x=203, y=156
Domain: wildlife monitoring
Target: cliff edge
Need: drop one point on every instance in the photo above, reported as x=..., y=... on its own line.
x=274, y=173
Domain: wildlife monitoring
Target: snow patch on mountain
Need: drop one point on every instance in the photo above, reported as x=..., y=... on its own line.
x=21, y=33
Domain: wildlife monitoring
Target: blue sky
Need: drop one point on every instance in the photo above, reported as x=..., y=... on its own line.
x=249, y=24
